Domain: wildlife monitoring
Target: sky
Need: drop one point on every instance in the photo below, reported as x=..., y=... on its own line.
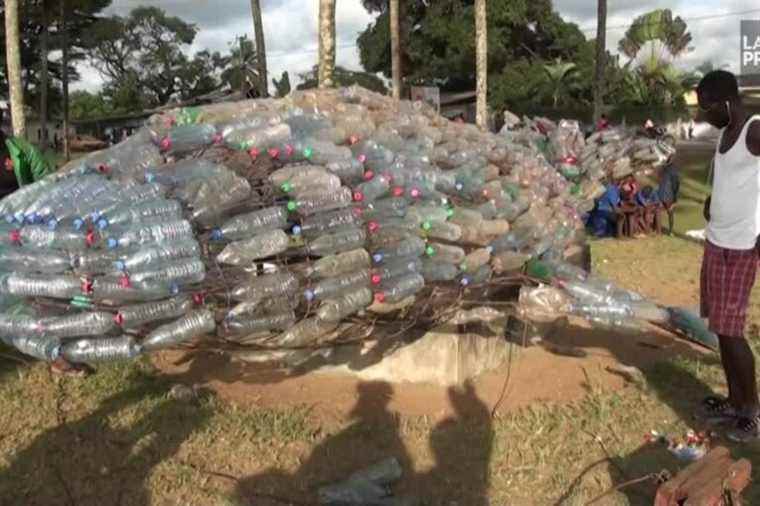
x=290, y=28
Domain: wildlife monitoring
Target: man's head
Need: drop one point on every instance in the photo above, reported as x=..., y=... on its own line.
x=718, y=96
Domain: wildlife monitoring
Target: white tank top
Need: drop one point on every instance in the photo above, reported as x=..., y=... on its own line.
x=735, y=205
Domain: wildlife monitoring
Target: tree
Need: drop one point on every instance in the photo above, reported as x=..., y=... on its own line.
x=283, y=85
x=142, y=57
x=241, y=72
x=601, y=49
x=560, y=76
x=65, y=78
x=13, y=58
x=44, y=76
x=343, y=77
x=326, y=43
x=86, y=105
x=481, y=64
x=395, y=48
x=261, y=56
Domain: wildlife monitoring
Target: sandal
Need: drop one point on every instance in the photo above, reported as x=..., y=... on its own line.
x=716, y=409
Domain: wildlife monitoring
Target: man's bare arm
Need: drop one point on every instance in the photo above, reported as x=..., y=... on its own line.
x=753, y=138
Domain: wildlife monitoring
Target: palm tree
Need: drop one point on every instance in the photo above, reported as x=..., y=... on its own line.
x=481, y=63
x=13, y=57
x=395, y=49
x=326, y=43
x=242, y=72
x=561, y=77
x=65, y=80
x=258, y=27
x=44, y=79
x=601, y=50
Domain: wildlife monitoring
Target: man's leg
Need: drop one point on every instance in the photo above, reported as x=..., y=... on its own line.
x=740, y=372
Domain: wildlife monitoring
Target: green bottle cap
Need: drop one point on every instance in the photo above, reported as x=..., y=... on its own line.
x=292, y=205
x=430, y=251
x=287, y=187
x=307, y=152
x=450, y=212
x=426, y=226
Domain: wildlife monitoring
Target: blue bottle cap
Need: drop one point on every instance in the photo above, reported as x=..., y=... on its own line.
x=149, y=177
x=94, y=216
x=19, y=216
x=9, y=218
x=459, y=186
x=112, y=243
x=102, y=223
x=465, y=280
x=216, y=234
x=52, y=224
x=489, y=249
x=308, y=294
x=377, y=258
x=78, y=223
x=119, y=265
x=296, y=230
x=174, y=289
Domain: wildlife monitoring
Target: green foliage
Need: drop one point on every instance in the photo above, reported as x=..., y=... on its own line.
x=344, y=77
x=242, y=65
x=656, y=26
x=86, y=105
x=283, y=85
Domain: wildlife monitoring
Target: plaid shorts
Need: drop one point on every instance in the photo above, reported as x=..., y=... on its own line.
x=725, y=284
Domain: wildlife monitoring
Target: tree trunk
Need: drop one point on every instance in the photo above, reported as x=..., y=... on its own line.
x=601, y=63
x=13, y=57
x=65, y=80
x=261, y=53
x=44, y=80
x=395, y=49
x=481, y=56
x=326, y=43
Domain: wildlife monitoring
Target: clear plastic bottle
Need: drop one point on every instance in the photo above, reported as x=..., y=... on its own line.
x=412, y=246
x=349, y=170
x=249, y=224
x=510, y=241
x=509, y=261
x=184, y=138
x=131, y=213
x=103, y=349
x=332, y=287
x=140, y=314
x=253, y=324
x=401, y=288
x=309, y=204
x=154, y=256
x=194, y=324
x=445, y=253
x=139, y=235
x=118, y=292
x=42, y=237
x=268, y=285
x=442, y=230
x=476, y=259
x=435, y=271
x=318, y=179
x=40, y=347
x=258, y=138
x=93, y=210
x=24, y=284
x=179, y=272
x=330, y=221
x=260, y=246
x=395, y=268
x=24, y=259
x=19, y=324
x=333, y=265
x=255, y=307
x=371, y=190
x=334, y=310
x=308, y=331
x=493, y=227
x=480, y=276
x=468, y=218
x=344, y=240
x=391, y=207
x=79, y=324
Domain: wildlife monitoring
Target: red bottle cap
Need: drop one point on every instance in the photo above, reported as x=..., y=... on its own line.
x=362, y=158
x=289, y=150
x=87, y=286
x=368, y=175
x=91, y=238
x=398, y=191
x=254, y=153
x=415, y=193
x=379, y=297
x=274, y=153
x=118, y=319
x=124, y=282
x=373, y=226
x=353, y=139
x=15, y=236
x=376, y=279
x=358, y=196
x=103, y=168
x=165, y=144
x=217, y=139
x=199, y=298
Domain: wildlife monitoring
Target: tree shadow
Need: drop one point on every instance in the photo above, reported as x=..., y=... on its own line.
x=106, y=457
x=461, y=446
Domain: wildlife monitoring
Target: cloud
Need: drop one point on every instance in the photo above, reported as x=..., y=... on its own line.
x=290, y=31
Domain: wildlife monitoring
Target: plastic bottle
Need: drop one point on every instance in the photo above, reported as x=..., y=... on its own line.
x=154, y=256
x=321, y=152
x=184, y=138
x=330, y=221
x=260, y=246
x=333, y=265
x=260, y=139
x=412, y=246
x=168, y=210
x=369, y=191
x=106, y=290
x=332, y=287
x=508, y=242
x=388, y=236
x=373, y=155
x=139, y=235
x=386, y=208
x=178, y=173
x=334, y=310
x=349, y=171
x=19, y=324
x=304, y=333
x=42, y=237
x=401, y=288
x=428, y=213
x=435, y=270
x=268, y=285
x=104, y=349
x=252, y=324
x=309, y=204
x=467, y=218
x=93, y=210
x=23, y=259
x=478, y=277
x=508, y=261
x=610, y=310
x=442, y=230
x=194, y=324
x=493, y=228
x=445, y=253
x=318, y=179
x=395, y=268
x=41, y=285
x=179, y=272
x=344, y=240
x=140, y=314
x=250, y=224
x=475, y=260
x=79, y=324
x=39, y=347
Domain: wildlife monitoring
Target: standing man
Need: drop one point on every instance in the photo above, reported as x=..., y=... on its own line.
x=731, y=251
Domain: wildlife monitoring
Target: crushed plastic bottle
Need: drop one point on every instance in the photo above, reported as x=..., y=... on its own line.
x=264, y=245
x=194, y=324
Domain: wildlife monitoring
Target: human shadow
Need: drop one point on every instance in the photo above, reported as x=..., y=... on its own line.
x=461, y=446
x=104, y=457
